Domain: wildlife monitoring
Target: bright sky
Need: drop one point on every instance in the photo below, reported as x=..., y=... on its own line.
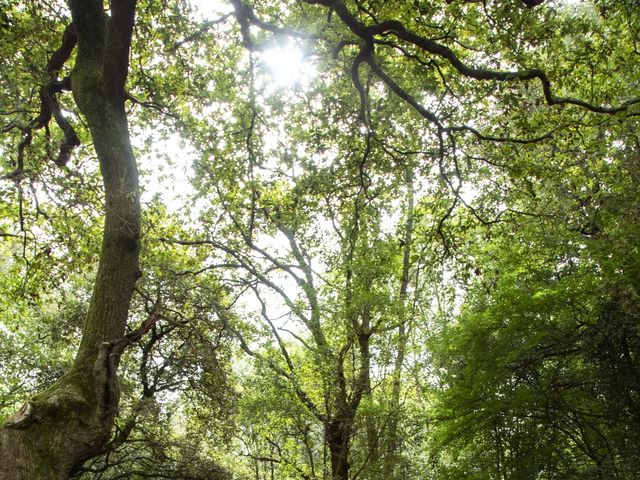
x=287, y=64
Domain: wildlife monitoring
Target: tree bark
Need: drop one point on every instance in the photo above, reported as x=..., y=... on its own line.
x=365, y=379
x=71, y=421
x=337, y=437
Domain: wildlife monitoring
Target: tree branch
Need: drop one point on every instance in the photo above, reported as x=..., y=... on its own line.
x=397, y=28
x=118, y=42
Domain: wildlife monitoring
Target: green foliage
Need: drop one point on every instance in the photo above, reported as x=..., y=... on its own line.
x=534, y=363
x=443, y=267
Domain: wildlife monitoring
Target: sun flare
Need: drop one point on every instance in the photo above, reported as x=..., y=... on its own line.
x=288, y=64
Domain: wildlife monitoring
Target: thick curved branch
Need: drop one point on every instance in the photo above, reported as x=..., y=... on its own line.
x=50, y=103
x=492, y=138
x=527, y=3
x=60, y=56
x=49, y=107
x=401, y=92
x=246, y=17
x=397, y=28
x=362, y=56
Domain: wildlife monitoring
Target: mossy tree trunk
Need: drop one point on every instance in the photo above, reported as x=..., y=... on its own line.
x=71, y=421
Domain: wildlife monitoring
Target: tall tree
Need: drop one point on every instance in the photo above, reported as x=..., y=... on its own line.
x=314, y=176
x=71, y=421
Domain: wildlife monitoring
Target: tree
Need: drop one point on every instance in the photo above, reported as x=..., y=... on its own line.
x=429, y=141
x=71, y=421
x=531, y=390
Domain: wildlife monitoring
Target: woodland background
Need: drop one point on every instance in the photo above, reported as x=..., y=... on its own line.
x=376, y=239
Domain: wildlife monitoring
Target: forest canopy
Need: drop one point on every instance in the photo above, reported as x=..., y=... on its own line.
x=320, y=239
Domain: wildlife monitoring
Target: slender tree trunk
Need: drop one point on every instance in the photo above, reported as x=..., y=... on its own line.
x=337, y=437
x=71, y=421
x=393, y=441
x=365, y=379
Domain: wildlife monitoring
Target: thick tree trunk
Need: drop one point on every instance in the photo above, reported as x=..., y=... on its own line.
x=71, y=421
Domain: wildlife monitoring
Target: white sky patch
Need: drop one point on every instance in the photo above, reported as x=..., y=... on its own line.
x=469, y=193
x=211, y=9
x=167, y=172
x=288, y=65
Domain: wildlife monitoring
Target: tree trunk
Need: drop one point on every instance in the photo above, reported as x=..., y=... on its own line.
x=337, y=433
x=338, y=425
x=365, y=379
x=393, y=440
x=71, y=421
